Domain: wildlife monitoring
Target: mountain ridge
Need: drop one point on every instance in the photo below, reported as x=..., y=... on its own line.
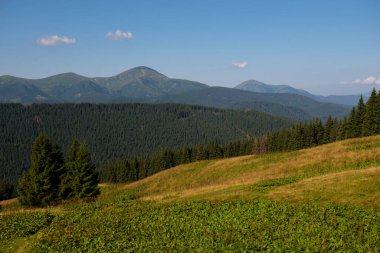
x=138, y=82
x=292, y=105
x=146, y=85
x=257, y=86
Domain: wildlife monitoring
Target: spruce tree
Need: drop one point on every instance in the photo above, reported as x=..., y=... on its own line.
x=335, y=130
x=327, y=137
x=342, y=131
x=81, y=179
x=351, y=124
x=68, y=178
x=359, y=118
x=371, y=120
x=40, y=185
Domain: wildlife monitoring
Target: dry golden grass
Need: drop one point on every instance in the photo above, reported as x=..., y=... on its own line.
x=18, y=209
x=8, y=202
x=356, y=186
x=210, y=177
x=240, y=177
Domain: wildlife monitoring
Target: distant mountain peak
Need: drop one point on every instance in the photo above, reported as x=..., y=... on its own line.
x=251, y=82
x=68, y=76
x=256, y=86
x=144, y=68
x=141, y=71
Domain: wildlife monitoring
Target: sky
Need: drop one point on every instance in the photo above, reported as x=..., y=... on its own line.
x=322, y=46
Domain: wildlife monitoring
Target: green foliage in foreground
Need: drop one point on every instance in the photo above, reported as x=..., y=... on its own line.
x=260, y=225
x=23, y=224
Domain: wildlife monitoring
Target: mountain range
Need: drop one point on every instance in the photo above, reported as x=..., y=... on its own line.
x=140, y=82
x=255, y=86
x=145, y=85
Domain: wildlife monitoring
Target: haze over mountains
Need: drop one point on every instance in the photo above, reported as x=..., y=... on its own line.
x=145, y=85
x=255, y=86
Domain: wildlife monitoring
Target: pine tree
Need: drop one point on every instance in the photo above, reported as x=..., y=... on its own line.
x=40, y=185
x=371, y=120
x=318, y=132
x=351, y=124
x=342, y=131
x=335, y=130
x=360, y=113
x=81, y=179
x=327, y=137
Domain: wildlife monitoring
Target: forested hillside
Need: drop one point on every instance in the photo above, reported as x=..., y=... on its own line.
x=363, y=121
x=119, y=131
x=280, y=104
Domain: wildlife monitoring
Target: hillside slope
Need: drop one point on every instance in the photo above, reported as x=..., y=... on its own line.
x=122, y=130
x=342, y=172
x=280, y=104
x=322, y=199
x=256, y=86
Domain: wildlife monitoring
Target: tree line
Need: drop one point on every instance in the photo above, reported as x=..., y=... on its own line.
x=364, y=120
x=116, y=131
x=51, y=178
x=126, y=170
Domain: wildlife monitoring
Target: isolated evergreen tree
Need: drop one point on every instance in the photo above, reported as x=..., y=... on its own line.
x=371, y=122
x=40, y=185
x=81, y=179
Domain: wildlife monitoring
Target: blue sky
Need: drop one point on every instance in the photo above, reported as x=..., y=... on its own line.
x=326, y=47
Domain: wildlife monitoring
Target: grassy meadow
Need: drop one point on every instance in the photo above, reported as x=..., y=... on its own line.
x=320, y=199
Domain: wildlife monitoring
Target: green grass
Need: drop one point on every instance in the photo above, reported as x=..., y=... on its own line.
x=18, y=228
x=206, y=226
x=323, y=199
x=208, y=178
x=359, y=187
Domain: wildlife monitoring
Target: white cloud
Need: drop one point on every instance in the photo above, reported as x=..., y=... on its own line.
x=240, y=65
x=55, y=40
x=371, y=80
x=119, y=35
